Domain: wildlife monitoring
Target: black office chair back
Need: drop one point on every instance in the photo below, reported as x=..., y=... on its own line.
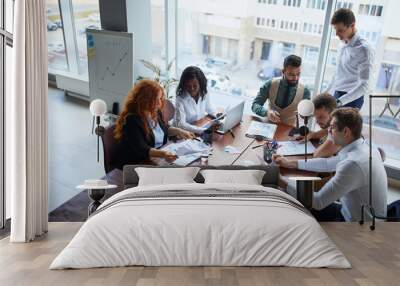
x=109, y=149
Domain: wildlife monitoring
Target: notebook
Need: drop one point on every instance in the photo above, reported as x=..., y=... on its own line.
x=265, y=130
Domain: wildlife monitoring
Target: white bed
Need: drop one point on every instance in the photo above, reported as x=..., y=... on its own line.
x=225, y=225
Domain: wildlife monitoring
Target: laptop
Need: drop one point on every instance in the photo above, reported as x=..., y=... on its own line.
x=233, y=117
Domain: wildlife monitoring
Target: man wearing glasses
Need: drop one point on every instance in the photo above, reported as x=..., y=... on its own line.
x=324, y=104
x=354, y=69
x=350, y=184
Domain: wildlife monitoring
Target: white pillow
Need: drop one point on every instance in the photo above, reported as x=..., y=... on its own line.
x=166, y=176
x=249, y=177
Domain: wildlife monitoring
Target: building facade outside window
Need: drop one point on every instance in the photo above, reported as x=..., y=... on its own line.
x=239, y=43
x=264, y=32
x=57, y=56
x=158, y=33
x=86, y=16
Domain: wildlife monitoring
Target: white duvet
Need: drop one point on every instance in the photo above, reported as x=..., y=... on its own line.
x=219, y=231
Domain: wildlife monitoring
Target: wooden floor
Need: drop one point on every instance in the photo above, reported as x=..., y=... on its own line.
x=375, y=257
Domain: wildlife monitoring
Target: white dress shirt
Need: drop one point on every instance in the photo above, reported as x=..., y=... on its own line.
x=188, y=111
x=350, y=183
x=354, y=69
x=158, y=133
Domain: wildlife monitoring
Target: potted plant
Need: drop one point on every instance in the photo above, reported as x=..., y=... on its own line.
x=164, y=80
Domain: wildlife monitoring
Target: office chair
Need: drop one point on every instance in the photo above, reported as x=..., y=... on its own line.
x=109, y=149
x=168, y=111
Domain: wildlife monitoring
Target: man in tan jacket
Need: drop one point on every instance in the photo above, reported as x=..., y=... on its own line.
x=283, y=94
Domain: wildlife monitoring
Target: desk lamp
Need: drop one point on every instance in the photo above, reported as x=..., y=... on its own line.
x=98, y=107
x=305, y=109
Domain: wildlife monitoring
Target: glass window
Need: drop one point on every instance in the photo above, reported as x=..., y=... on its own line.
x=287, y=49
x=332, y=58
x=385, y=77
x=158, y=33
x=362, y=9
x=219, y=41
x=367, y=9
x=310, y=54
x=6, y=25
x=8, y=80
x=379, y=11
x=9, y=9
x=2, y=80
x=373, y=10
x=266, y=48
x=86, y=15
x=218, y=46
x=55, y=37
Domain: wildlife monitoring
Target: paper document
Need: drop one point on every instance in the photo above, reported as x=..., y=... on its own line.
x=187, y=151
x=266, y=130
x=186, y=147
x=232, y=150
x=186, y=159
x=294, y=148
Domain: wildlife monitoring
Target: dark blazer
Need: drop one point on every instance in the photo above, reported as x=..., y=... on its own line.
x=134, y=146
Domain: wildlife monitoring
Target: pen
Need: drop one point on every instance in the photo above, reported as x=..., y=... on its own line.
x=257, y=146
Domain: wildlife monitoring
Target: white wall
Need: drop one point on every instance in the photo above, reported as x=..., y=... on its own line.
x=392, y=22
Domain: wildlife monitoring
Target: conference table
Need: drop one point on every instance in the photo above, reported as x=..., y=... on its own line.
x=247, y=155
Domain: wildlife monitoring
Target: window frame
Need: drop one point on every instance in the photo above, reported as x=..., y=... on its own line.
x=6, y=39
x=171, y=34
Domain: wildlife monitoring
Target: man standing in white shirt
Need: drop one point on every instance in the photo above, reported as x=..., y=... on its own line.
x=354, y=68
x=350, y=184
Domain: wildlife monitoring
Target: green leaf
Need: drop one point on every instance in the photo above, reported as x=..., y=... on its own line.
x=154, y=68
x=169, y=66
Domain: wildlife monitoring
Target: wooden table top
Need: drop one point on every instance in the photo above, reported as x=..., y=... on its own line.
x=239, y=140
x=255, y=156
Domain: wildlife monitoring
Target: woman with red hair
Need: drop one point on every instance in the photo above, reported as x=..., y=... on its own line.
x=140, y=129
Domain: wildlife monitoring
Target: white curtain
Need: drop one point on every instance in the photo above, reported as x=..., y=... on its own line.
x=26, y=123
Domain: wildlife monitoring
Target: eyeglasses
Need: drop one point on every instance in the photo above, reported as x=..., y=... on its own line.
x=332, y=126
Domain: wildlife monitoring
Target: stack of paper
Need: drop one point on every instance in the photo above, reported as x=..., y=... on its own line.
x=186, y=147
x=265, y=130
x=187, y=151
x=186, y=159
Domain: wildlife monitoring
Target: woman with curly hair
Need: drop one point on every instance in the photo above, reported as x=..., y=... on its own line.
x=140, y=129
x=192, y=100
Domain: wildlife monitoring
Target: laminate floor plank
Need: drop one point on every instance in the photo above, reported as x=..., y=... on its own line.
x=374, y=255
